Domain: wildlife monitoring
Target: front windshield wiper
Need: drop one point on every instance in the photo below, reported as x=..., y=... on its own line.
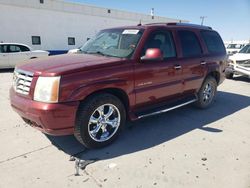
x=96, y=52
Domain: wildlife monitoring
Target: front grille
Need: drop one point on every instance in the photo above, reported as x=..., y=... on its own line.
x=22, y=81
x=245, y=63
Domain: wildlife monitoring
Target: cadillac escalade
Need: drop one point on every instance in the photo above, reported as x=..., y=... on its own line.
x=122, y=73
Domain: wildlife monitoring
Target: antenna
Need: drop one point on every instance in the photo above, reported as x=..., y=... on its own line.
x=202, y=19
x=139, y=23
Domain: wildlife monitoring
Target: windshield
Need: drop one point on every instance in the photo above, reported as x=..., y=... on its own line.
x=234, y=46
x=245, y=50
x=114, y=42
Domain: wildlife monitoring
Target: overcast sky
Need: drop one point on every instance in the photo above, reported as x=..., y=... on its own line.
x=231, y=18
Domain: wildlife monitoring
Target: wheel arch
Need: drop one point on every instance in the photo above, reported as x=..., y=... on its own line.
x=214, y=74
x=119, y=93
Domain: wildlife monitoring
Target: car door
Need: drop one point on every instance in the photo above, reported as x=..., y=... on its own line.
x=194, y=64
x=17, y=54
x=157, y=80
x=4, y=58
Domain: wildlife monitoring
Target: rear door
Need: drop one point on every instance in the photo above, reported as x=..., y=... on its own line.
x=157, y=80
x=193, y=62
x=4, y=58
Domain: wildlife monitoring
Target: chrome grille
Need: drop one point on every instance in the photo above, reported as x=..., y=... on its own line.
x=22, y=81
x=245, y=63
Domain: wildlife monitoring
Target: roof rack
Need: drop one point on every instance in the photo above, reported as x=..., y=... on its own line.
x=180, y=24
x=189, y=24
x=157, y=23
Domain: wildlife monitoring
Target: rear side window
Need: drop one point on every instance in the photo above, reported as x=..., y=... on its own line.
x=14, y=49
x=24, y=48
x=213, y=42
x=190, y=44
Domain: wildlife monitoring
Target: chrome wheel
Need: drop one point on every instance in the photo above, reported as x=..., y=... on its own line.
x=208, y=93
x=104, y=122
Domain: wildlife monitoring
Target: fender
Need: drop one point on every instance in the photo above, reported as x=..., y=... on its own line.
x=83, y=91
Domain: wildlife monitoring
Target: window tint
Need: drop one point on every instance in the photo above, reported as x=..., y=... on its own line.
x=24, y=48
x=71, y=41
x=213, y=42
x=36, y=40
x=163, y=41
x=14, y=48
x=1, y=49
x=190, y=44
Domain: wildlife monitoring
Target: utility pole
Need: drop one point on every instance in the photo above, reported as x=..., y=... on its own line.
x=152, y=13
x=202, y=19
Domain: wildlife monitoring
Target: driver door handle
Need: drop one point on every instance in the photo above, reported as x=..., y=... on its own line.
x=177, y=67
x=203, y=63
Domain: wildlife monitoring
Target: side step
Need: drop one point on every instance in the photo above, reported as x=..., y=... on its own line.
x=166, y=108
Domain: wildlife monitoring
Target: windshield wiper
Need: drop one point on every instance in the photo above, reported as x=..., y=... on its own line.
x=97, y=52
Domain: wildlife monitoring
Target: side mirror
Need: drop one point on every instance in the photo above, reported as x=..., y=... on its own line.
x=153, y=54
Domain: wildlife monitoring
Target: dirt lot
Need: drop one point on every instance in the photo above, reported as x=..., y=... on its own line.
x=186, y=147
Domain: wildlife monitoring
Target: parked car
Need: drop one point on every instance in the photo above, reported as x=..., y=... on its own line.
x=126, y=72
x=13, y=53
x=234, y=48
x=239, y=63
x=74, y=51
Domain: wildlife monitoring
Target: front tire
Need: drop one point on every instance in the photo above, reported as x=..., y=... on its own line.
x=99, y=120
x=207, y=93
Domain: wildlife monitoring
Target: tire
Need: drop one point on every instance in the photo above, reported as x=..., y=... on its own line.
x=206, y=93
x=229, y=75
x=95, y=125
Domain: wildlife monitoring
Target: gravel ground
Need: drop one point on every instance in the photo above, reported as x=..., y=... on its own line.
x=186, y=147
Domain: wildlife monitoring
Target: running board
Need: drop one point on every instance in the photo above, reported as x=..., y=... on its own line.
x=163, y=110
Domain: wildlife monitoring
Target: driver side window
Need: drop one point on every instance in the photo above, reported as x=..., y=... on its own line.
x=163, y=41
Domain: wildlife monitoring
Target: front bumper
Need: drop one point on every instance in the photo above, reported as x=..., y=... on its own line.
x=53, y=119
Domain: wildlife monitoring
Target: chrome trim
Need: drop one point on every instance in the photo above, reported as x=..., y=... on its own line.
x=104, y=124
x=177, y=67
x=167, y=109
x=22, y=81
x=24, y=72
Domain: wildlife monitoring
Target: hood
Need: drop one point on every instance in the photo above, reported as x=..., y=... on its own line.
x=66, y=64
x=240, y=57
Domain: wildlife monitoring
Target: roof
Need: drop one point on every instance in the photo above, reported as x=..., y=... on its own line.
x=12, y=43
x=171, y=24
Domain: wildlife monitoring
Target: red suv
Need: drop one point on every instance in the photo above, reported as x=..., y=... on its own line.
x=122, y=73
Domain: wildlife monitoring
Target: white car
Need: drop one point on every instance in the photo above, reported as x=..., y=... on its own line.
x=239, y=63
x=234, y=48
x=13, y=53
x=73, y=51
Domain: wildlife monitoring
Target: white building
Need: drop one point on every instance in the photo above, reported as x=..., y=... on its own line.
x=56, y=25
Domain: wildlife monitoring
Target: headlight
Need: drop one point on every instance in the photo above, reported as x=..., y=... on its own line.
x=47, y=89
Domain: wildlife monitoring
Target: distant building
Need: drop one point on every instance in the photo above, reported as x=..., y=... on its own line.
x=58, y=26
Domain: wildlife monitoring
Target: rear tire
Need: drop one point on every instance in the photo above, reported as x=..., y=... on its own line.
x=206, y=93
x=99, y=120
